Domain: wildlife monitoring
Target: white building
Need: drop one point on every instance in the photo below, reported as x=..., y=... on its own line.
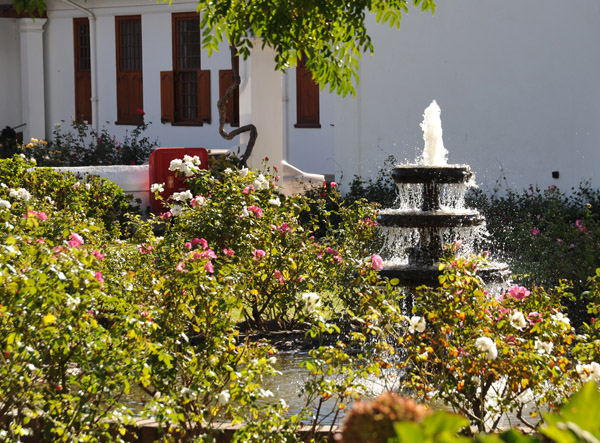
x=516, y=81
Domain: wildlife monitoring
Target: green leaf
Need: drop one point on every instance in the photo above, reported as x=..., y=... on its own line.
x=409, y=432
x=578, y=420
x=442, y=422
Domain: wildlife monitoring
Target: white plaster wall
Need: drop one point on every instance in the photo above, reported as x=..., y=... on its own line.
x=156, y=57
x=59, y=72
x=309, y=149
x=517, y=82
x=10, y=74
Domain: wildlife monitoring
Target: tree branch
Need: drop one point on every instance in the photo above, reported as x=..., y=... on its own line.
x=222, y=105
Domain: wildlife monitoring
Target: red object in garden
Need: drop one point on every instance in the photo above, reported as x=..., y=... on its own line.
x=160, y=160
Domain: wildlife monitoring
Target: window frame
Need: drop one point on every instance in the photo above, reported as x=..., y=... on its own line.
x=82, y=76
x=130, y=90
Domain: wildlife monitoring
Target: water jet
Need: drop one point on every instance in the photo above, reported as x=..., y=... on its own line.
x=430, y=213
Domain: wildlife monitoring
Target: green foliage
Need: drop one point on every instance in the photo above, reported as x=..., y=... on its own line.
x=86, y=318
x=268, y=242
x=381, y=190
x=82, y=146
x=578, y=420
x=485, y=356
x=547, y=236
x=66, y=195
x=331, y=35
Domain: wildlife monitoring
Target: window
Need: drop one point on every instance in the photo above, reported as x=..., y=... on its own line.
x=185, y=91
x=232, y=110
x=129, y=69
x=307, y=99
x=83, y=79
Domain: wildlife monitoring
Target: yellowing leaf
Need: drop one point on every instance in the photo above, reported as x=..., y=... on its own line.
x=48, y=319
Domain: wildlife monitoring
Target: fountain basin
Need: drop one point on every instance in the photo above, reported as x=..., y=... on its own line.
x=415, y=275
x=429, y=219
x=432, y=174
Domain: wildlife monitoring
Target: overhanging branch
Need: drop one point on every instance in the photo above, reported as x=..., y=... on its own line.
x=222, y=105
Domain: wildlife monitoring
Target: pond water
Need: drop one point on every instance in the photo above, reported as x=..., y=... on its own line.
x=289, y=384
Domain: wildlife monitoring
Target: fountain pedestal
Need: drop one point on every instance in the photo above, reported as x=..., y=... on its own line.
x=432, y=223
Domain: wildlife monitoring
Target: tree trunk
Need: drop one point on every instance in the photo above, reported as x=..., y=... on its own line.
x=222, y=104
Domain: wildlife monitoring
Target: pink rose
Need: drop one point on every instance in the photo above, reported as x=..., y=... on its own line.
x=99, y=277
x=376, y=262
x=208, y=267
x=279, y=276
x=75, y=241
x=518, y=292
x=256, y=210
x=258, y=254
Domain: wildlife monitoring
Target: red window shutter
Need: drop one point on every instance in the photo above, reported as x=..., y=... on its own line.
x=83, y=79
x=307, y=99
x=204, y=96
x=122, y=97
x=167, y=97
x=129, y=68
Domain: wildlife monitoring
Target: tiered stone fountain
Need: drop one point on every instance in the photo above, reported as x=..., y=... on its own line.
x=430, y=213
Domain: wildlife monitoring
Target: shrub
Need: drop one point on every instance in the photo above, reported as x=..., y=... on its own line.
x=547, y=236
x=82, y=146
x=242, y=221
x=484, y=356
x=381, y=190
x=66, y=194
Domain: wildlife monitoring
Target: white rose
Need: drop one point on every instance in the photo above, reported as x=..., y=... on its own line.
x=182, y=196
x=588, y=372
x=312, y=301
x=175, y=164
x=417, y=324
x=157, y=187
x=275, y=202
x=223, y=398
x=543, y=348
x=176, y=210
x=517, y=320
x=485, y=344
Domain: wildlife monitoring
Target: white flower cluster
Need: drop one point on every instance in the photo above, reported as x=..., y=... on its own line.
x=543, y=347
x=275, y=202
x=416, y=324
x=21, y=194
x=561, y=318
x=182, y=196
x=5, y=204
x=487, y=345
x=244, y=172
x=312, y=301
x=188, y=166
x=223, y=398
x=589, y=372
x=157, y=187
x=517, y=320
x=261, y=182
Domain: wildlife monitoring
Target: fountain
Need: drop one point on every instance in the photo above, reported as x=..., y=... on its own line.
x=430, y=214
